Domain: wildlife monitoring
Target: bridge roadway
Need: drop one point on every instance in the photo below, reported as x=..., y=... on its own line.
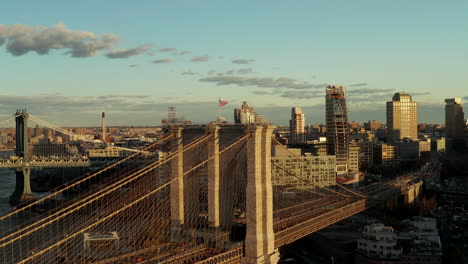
x=290, y=224
x=314, y=215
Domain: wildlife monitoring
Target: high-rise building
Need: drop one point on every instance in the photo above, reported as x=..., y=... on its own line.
x=244, y=115
x=454, y=118
x=402, y=118
x=337, y=126
x=296, y=126
x=247, y=115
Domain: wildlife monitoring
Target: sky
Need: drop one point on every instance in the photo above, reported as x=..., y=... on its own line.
x=66, y=62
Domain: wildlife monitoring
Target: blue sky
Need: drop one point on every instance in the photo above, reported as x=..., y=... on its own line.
x=288, y=51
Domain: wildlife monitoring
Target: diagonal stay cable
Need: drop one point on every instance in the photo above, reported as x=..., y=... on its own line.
x=95, y=196
x=8, y=119
x=82, y=180
x=79, y=232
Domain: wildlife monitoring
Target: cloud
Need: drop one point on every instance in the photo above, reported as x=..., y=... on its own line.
x=134, y=65
x=188, y=72
x=230, y=72
x=358, y=84
x=368, y=96
x=107, y=96
x=184, y=52
x=302, y=94
x=242, y=61
x=211, y=72
x=239, y=71
x=21, y=39
x=127, y=53
x=244, y=71
x=121, y=109
x=166, y=60
x=167, y=49
x=282, y=82
x=423, y=93
x=263, y=92
x=370, y=99
x=57, y=102
x=367, y=91
x=200, y=59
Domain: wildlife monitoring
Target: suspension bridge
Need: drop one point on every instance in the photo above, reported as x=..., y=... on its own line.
x=35, y=148
x=207, y=197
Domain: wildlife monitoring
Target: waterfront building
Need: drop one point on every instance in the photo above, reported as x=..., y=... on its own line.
x=378, y=242
x=108, y=152
x=419, y=242
x=313, y=170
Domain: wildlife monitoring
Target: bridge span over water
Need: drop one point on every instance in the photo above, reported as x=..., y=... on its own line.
x=23, y=155
x=208, y=198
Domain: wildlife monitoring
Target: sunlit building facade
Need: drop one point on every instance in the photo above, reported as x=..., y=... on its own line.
x=402, y=118
x=296, y=126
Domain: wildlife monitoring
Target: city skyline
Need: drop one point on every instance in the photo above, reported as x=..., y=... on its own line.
x=156, y=60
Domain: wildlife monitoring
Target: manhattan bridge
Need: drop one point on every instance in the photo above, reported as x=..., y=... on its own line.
x=201, y=194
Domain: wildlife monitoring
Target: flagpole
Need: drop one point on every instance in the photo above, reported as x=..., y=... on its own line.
x=219, y=109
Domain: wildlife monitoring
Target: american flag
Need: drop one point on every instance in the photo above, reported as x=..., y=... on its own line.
x=222, y=103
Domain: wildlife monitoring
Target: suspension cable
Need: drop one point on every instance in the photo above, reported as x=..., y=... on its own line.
x=101, y=193
x=125, y=207
x=83, y=180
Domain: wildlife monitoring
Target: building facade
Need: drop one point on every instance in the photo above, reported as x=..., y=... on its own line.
x=296, y=126
x=302, y=170
x=247, y=115
x=454, y=118
x=386, y=155
x=402, y=118
x=366, y=154
x=353, y=158
x=379, y=242
x=418, y=243
x=337, y=126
